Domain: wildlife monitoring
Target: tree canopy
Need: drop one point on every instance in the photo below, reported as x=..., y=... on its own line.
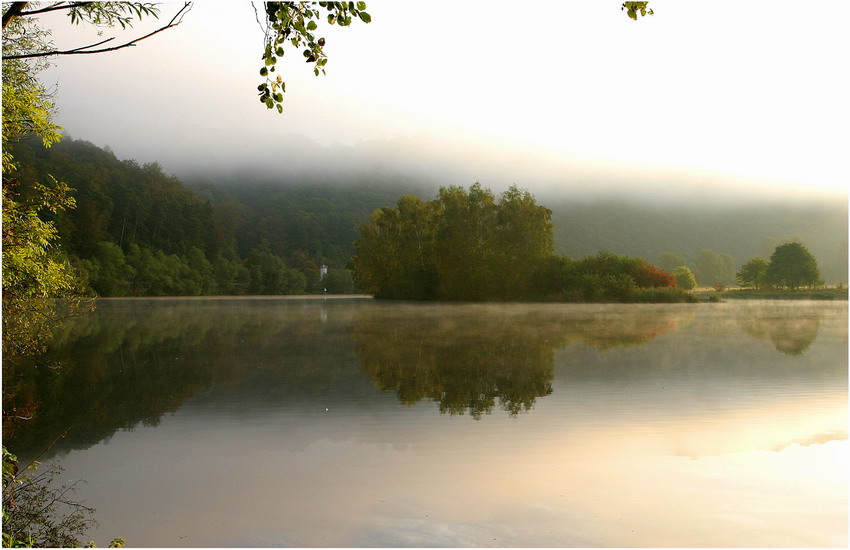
x=472, y=245
x=793, y=266
x=463, y=245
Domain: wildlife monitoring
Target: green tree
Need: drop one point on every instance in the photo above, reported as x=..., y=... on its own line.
x=792, y=266
x=524, y=240
x=270, y=275
x=685, y=277
x=465, y=257
x=231, y=277
x=112, y=274
x=752, y=274
x=376, y=265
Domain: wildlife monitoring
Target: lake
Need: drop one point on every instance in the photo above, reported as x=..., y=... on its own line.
x=340, y=422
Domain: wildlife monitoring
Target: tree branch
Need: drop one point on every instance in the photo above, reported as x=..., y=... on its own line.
x=14, y=11
x=176, y=20
x=54, y=7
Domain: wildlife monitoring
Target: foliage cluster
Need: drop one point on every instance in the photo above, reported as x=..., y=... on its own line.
x=791, y=266
x=463, y=245
x=606, y=277
x=38, y=515
x=295, y=23
x=470, y=245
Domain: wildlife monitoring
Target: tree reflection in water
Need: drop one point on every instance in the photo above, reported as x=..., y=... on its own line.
x=130, y=362
x=791, y=335
x=471, y=357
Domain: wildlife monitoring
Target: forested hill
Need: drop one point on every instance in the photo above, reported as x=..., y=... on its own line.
x=137, y=230
x=294, y=215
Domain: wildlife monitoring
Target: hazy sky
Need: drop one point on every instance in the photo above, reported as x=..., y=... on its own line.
x=701, y=98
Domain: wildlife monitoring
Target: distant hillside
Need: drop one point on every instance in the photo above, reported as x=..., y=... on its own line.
x=137, y=230
x=310, y=214
x=743, y=231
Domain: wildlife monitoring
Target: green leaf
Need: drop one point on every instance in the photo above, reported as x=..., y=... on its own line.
x=264, y=71
x=280, y=109
x=365, y=17
x=361, y=5
x=279, y=51
x=311, y=26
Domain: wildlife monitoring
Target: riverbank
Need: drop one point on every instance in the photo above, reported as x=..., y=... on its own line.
x=831, y=293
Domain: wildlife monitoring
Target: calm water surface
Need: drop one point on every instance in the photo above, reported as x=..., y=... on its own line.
x=350, y=422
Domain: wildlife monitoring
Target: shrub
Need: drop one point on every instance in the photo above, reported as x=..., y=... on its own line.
x=685, y=277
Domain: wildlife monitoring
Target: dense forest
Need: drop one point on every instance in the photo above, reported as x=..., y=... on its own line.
x=136, y=230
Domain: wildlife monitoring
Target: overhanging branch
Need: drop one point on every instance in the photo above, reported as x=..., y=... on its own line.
x=176, y=20
x=14, y=11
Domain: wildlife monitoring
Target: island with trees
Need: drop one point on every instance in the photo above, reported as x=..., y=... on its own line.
x=472, y=245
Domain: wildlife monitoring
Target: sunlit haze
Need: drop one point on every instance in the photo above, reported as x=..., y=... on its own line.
x=699, y=99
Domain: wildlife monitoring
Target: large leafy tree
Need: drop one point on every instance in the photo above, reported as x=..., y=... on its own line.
x=463, y=245
x=793, y=266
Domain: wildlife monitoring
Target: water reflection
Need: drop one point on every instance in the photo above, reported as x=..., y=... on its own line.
x=133, y=361
x=790, y=334
x=647, y=426
x=467, y=358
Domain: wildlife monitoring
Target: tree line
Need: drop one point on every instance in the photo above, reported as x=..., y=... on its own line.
x=712, y=241
x=474, y=245
x=135, y=231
